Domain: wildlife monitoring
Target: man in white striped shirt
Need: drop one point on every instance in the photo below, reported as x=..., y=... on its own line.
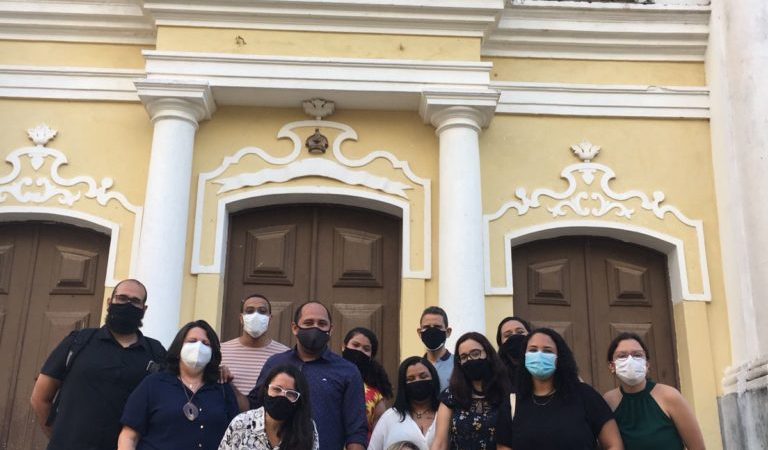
x=246, y=355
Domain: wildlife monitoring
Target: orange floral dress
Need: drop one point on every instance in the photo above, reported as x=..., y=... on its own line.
x=372, y=398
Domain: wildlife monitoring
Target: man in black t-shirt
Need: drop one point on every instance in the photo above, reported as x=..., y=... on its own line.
x=84, y=384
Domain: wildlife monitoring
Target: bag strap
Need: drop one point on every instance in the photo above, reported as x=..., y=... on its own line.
x=512, y=405
x=82, y=338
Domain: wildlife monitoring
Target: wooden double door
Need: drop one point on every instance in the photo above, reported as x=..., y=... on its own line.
x=590, y=289
x=51, y=282
x=347, y=258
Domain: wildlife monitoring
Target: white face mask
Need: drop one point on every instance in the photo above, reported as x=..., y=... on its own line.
x=195, y=355
x=255, y=324
x=631, y=370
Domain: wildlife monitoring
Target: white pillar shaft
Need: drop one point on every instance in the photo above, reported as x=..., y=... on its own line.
x=162, y=246
x=737, y=70
x=461, y=287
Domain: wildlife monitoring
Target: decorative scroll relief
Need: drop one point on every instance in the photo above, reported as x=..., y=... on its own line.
x=582, y=188
x=52, y=184
x=47, y=183
x=292, y=167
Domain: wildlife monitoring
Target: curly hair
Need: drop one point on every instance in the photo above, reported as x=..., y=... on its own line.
x=566, y=376
x=495, y=389
x=402, y=402
x=375, y=376
x=298, y=432
x=173, y=357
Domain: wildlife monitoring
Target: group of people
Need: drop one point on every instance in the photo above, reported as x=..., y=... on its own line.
x=113, y=387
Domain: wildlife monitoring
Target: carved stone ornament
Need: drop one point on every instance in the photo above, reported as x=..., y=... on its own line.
x=43, y=186
x=318, y=107
x=317, y=143
x=586, y=151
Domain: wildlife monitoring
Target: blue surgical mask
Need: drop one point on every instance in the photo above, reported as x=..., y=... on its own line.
x=540, y=365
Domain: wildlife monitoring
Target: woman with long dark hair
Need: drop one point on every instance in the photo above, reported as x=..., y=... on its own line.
x=183, y=406
x=511, y=335
x=650, y=415
x=285, y=420
x=412, y=417
x=468, y=409
x=360, y=348
x=553, y=409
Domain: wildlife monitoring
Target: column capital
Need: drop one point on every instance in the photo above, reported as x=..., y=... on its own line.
x=188, y=101
x=447, y=109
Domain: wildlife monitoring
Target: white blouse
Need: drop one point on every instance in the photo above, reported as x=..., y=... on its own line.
x=389, y=430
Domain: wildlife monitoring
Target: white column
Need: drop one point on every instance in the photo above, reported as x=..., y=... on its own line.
x=459, y=121
x=737, y=67
x=162, y=247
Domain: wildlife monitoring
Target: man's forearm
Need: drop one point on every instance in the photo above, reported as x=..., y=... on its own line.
x=355, y=447
x=42, y=411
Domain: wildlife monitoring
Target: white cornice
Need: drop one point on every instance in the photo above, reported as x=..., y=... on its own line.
x=593, y=30
x=417, y=17
x=121, y=22
x=69, y=83
x=287, y=81
x=602, y=100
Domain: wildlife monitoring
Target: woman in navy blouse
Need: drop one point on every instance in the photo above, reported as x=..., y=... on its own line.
x=183, y=406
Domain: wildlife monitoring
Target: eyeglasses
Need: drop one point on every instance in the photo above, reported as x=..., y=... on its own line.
x=276, y=391
x=122, y=299
x=636, y=355
x=473, y=354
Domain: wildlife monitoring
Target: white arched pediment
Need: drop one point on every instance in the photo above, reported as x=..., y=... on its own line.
x=599, y=211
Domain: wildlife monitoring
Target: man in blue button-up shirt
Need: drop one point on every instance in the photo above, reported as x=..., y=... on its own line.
x=335, y=384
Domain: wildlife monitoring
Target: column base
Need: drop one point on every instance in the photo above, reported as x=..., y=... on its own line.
x=743, y=412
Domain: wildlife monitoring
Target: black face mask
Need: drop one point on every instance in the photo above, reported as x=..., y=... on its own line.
x=313, y=339
x=419, y=390
x=124, y=318
x=477, y=369
x=433, y=338
x=513, y=349
x=358, y=358
x=279, y=408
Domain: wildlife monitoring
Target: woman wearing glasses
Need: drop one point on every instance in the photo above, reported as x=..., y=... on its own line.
x=184, y=406
x=283, y=423
x=468, y=410
x=649, y=415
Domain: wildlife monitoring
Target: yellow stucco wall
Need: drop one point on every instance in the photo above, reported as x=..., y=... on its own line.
x=317, y=44
x=71, y=54
x=597, y=72
x=672, y=156
x=99, y=140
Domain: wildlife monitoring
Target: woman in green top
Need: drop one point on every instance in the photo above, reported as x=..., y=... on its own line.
x=650, y=415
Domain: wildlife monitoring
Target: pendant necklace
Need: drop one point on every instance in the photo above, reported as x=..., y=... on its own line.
x=546, y=402
x=418, y=414
x=190, y=410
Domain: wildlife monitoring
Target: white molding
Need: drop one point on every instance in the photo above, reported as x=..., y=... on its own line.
x=313, y=167
x=352, y=83
x=748, y=376
x=569, y=201
x=411, y=17
x=601, y=31
x=69, y=83
x=46, y=186
x=97, y=21
x=278, y=195
x=72, y=217
x=673, y=247
x=594, y=100
x=191, y=100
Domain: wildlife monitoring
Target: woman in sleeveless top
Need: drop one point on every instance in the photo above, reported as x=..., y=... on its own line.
x=650, y=415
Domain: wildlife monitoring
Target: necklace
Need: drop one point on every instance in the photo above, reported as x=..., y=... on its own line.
x=190, y=410
x=418, y=414
x=549, y=396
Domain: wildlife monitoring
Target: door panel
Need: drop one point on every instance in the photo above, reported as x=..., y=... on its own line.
x=591, y=289
x=57, y=285
x=550, y=291
x=347, y=258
